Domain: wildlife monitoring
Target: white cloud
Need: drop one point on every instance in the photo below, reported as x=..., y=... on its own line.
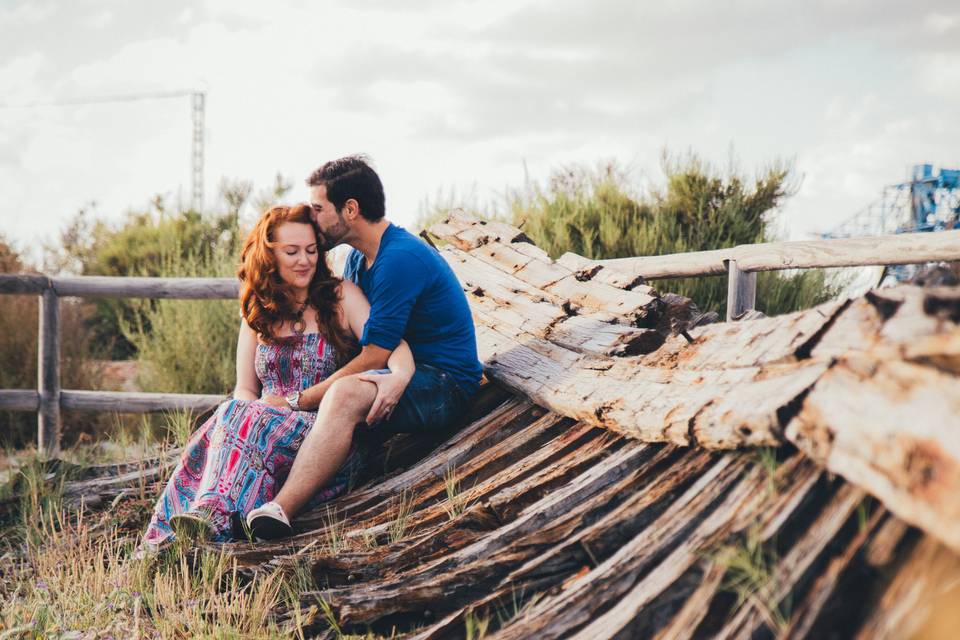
x=463, y=94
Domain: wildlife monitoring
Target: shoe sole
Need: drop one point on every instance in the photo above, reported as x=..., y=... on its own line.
x=267, y=528
x=189, y=526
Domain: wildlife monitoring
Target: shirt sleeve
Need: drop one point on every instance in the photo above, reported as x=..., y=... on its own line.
x=399, y=282
x=351, y=267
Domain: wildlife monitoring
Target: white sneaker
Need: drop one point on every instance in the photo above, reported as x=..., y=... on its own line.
x=269, y=522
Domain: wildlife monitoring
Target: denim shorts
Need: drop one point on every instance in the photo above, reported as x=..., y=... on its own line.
x=432, y=402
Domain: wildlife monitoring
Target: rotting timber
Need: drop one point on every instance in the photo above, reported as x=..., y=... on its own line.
x=792, y=477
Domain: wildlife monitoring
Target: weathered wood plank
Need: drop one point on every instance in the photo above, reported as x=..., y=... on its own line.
x=23, y=283
x=131, y=402
x=921, y=599
x=495, y=244
x=735, y=384
x=698, y=518
x=19, y=399
x=451, y=578
x=824, y=588
x=741, y=291
x=48, y=375
x=129, y=287
x=893, y=428
x=754, y=613
x=906, y=248
x=590, y=270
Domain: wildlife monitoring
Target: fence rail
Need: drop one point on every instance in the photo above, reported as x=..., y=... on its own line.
x=741, y=265
x=49, y=399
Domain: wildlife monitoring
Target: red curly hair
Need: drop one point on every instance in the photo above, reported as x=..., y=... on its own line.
x=266, y=300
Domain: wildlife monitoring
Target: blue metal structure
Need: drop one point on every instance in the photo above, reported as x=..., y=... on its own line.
x=928, y=201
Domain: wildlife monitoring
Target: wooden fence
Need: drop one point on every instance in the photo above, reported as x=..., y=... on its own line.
x=739, y=263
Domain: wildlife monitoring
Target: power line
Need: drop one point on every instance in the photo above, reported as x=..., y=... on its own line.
x=198, y=103
x=129, y=97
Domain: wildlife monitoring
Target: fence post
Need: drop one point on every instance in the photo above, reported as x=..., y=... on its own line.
x=48, y=375
x=741, y=290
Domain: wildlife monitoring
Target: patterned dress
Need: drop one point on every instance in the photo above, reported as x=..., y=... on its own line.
x=239, y=458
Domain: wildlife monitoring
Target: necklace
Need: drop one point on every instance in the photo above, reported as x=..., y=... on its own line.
x=299, y=323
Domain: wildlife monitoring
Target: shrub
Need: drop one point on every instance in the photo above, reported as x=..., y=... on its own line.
x=598, y=214
x=595, y=214
x=18, y=352
x=187, y=346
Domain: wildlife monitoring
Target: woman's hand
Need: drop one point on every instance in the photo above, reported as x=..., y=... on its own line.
x=275, y=401
x=390, y=387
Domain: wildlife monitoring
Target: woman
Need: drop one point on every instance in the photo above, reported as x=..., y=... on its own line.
x=300, y=323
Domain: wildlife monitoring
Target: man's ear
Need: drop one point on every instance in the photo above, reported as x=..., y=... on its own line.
x=351, y=209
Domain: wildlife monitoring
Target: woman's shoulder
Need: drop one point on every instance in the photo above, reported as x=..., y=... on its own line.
x=350, y=292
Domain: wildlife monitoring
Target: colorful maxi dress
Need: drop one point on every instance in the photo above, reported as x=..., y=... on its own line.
x=239, y=458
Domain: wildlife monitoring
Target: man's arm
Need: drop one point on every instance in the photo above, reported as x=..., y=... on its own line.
x=370, y=357
x=390, y=386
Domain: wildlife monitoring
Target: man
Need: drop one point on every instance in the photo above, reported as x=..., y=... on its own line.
x=414, y=295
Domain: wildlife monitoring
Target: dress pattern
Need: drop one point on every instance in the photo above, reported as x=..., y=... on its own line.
x=239, y=458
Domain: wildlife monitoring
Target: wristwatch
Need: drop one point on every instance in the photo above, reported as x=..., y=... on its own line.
x=293, y=400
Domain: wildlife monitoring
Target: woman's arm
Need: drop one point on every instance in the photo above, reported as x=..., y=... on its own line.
x=248, y=385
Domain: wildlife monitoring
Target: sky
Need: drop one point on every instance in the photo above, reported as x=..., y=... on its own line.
x=462, y=100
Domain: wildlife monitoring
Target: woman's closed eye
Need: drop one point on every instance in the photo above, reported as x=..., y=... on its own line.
x=311, y=250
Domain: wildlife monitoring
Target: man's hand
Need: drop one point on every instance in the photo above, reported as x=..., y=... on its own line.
x=275, y=401
x=390, y=387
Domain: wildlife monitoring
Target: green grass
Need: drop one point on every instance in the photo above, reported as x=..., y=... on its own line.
x=750, y=568
x=398, y=526
x=71, y=569
x=475, y=626
x=77, y=575
x=178, y=425
x=457, y=499
x=603, y=212
x=336, y=529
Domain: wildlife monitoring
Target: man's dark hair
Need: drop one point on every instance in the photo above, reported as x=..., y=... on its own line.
x=351, y=177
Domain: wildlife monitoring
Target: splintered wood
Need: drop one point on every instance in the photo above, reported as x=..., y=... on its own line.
x=603, y=486
x=868, y=388
x=567, y=530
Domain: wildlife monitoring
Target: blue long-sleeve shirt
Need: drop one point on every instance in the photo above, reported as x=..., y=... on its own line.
x=414, y=295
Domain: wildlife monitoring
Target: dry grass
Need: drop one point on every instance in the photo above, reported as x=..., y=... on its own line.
x=398, y=526
x=457, y=499
x=73, y=570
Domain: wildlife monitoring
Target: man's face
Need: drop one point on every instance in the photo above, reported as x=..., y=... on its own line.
x=331, y=227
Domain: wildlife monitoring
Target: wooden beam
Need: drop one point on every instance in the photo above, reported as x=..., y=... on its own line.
x=804, y=377
x=906, y=248
x=117, y=287
x=48, y=375
x=23, y=283
x=19, y=399
x=127, y=402
x=741, y=291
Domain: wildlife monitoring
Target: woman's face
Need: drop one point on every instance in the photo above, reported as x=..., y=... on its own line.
x=295, y=248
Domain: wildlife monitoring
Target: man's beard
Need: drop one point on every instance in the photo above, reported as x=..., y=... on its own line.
x=332, y=237
x=324, y=243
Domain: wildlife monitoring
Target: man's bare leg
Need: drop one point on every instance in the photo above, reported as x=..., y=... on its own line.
x=327, y=445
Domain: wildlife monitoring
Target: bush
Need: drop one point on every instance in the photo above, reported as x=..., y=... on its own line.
x=18, y=352
x=597, y=214
x=187, y=346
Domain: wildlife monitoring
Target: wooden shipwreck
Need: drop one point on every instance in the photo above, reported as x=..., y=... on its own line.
x=631, y=472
